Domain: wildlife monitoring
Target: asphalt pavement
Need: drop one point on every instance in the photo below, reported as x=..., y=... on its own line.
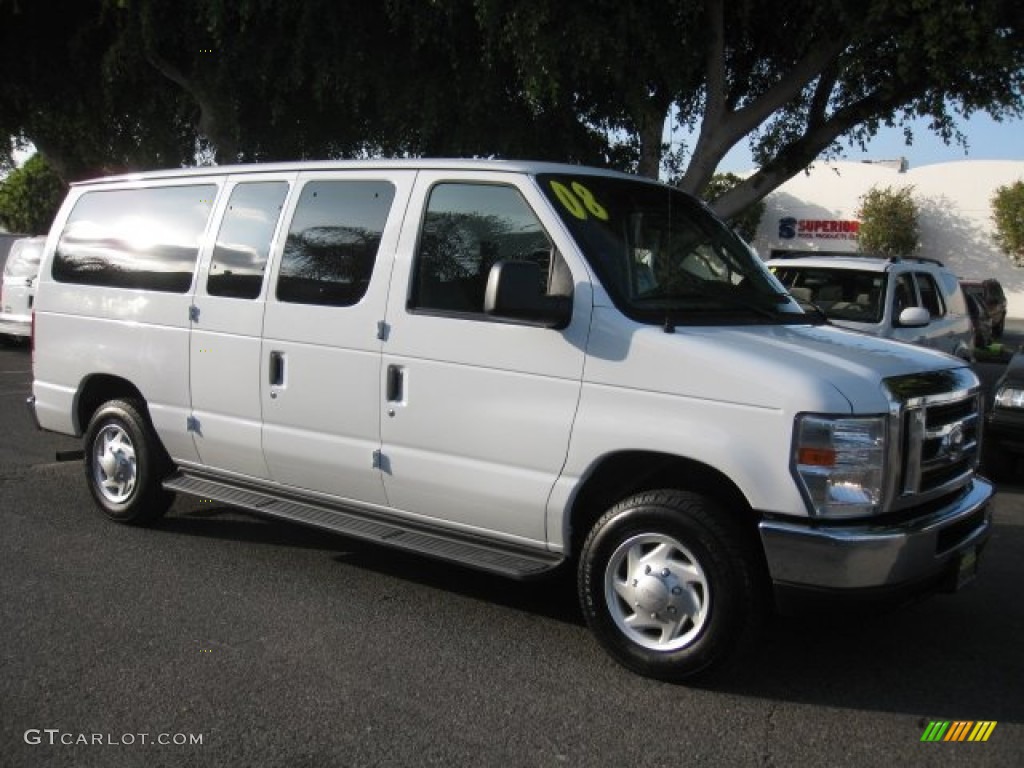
x=245, y=642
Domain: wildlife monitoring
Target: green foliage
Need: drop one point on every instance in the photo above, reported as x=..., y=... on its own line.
x=1008, y=215
x=30, y=197
x=746, y=221
x=888, y=222
x=108, y=85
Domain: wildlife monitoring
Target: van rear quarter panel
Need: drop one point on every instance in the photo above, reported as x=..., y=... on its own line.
x=139, y=336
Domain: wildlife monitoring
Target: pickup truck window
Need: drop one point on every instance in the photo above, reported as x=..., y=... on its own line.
x=333, y=240
x=663, y=257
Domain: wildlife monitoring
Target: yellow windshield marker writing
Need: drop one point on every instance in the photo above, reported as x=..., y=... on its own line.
x=579, y=201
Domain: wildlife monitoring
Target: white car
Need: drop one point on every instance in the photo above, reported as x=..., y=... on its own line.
x=18, y=289
x=912, y=300
x=511, y=366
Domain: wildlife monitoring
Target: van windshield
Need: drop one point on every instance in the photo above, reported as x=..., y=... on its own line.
x=663, y=257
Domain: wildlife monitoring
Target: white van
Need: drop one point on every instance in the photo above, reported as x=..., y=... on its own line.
x=511, y=366
x=17, y=291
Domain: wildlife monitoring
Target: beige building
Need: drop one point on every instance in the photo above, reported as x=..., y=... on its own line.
x=815, y=212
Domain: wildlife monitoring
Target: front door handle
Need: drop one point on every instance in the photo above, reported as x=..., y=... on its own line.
x=277, y=371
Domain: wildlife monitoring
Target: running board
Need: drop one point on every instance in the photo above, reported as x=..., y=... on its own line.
x=510, y=561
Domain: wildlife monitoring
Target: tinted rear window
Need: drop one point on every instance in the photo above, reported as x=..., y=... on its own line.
x=332, y=242
x=135, y=238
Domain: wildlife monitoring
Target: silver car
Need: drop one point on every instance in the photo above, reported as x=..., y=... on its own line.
x=912, y=299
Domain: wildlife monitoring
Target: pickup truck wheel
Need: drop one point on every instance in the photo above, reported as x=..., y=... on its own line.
x=125, y=464
x=670, y=586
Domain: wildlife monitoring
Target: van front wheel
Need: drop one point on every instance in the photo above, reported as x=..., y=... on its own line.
x=125, y=464
x=669, y=585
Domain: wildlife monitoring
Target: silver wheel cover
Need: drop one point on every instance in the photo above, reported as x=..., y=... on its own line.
x=114, y=471
x=657, y=592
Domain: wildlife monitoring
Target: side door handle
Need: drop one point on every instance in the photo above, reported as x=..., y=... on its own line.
x=277, y=371
x=395, y=386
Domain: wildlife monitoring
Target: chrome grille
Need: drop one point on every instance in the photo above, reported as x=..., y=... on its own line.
x=938, y=417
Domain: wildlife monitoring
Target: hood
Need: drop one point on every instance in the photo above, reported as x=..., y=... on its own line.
x=789, y=367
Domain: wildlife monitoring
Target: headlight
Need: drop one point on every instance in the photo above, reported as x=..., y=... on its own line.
x=841, y=464
x=1010, y=397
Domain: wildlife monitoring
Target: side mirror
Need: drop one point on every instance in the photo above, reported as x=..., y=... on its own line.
x=914, y=317
x=514, y=292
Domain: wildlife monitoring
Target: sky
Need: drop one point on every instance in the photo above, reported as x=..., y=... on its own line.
x=986, y=140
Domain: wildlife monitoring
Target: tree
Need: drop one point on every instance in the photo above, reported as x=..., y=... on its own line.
x=1008, y=216
x=789, y=76
x=745, y=222
x=30, y=197
x=888, y=222
x=594, y=82
x=85, y=111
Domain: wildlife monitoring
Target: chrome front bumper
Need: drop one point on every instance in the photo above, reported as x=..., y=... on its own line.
x=826, y=556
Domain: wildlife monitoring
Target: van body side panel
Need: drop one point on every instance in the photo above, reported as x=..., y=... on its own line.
x=477, y=432
x=145, y=342
x=225, y=383
x=115, y=290
x=321, y=429
x=226, y=342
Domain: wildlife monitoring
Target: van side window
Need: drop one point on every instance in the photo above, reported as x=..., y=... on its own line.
x=333, y=240
x=467, y=228
x=135, y=238
x=243, y=243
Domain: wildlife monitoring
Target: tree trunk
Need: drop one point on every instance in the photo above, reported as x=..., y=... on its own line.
x=651, y=129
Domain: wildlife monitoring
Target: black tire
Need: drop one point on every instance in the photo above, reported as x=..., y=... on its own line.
x=125, y=464
x=997, y=329
x=680, y=557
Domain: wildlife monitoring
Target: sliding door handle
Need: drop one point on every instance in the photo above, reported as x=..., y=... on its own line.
x=395, y=387
x=277, y=371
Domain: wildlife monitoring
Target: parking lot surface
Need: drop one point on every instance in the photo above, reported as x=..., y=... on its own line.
x=217, y=638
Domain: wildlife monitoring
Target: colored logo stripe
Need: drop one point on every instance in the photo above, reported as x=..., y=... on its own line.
x=982, y=730
x=958, y=730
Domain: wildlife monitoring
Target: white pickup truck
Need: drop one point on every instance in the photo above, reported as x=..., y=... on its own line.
x=510, y=366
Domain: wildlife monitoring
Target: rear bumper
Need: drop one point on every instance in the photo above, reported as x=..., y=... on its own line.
x=936, y=551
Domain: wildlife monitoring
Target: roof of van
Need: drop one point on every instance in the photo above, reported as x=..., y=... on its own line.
x=415, y=164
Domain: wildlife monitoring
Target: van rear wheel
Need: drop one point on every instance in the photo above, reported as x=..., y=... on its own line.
x=670, y=586
x=125, y=464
